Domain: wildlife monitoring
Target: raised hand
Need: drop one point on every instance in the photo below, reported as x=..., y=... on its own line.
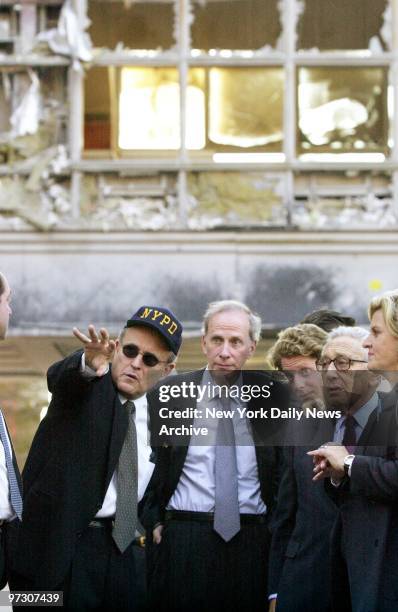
x=98, y=349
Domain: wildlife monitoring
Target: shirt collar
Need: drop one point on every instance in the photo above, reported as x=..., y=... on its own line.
x=140, y=402
x=207, y=379
x=362, y=415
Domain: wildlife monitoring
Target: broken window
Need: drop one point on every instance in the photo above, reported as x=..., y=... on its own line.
x=343, y=200
x=48, y=14
x=218, y=199
x=245, y=108
x=20, y=22
x=111, y=201
x=226, y=109
x=97, y=108
x=342, y=110
x=9, y=26
x=330, y=25
x=235, y=24
x=34, y=115
x=134, y=25
x=149, y=109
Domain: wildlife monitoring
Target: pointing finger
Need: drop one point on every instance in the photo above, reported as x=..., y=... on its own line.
x=80, y=336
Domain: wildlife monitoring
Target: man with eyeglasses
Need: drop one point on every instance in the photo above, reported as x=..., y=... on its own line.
x=361, y=467
x=89, y=465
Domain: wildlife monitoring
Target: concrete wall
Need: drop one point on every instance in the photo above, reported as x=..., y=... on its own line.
x=62, y=279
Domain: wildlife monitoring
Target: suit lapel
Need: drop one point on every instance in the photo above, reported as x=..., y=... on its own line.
x=180, y=451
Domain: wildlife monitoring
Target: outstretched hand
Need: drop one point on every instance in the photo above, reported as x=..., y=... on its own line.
x=98, y=349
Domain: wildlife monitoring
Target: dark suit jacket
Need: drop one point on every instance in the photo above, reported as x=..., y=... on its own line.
x=171, y=458
x=70, y=464
x=299, y=569
x=5, y=560
x=365, y=536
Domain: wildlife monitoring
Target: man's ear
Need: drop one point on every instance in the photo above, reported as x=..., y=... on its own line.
x=253, y=347
x=169, y=368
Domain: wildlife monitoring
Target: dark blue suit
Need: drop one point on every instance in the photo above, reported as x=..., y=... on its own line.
x=365, y=536
x=299, y=569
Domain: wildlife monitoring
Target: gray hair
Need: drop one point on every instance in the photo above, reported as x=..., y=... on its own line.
x=357, y=333
x=2, y=284
x=231, y=305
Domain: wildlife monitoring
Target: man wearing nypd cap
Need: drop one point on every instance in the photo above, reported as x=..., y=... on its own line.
x=89, y=466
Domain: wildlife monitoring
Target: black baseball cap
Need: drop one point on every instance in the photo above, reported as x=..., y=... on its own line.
x=163, y=320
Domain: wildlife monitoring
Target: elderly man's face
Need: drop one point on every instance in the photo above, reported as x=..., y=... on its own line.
x=132, y=376
x=5, y=309
x=227, y=343
x=346, y=388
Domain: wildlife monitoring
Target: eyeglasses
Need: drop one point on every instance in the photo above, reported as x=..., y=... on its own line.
x=149, y=359
x=340, y=363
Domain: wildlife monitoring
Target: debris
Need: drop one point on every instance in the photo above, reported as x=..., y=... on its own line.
x=25, y=119
x=69, y=38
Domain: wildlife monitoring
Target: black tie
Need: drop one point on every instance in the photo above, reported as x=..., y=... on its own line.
x=350, y=437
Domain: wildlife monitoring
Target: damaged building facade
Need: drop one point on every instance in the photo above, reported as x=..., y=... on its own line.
x=190, y=150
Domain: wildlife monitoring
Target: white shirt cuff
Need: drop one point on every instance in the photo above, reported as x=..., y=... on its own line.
x=351, y=460
x=273, y=596
x=86, y=371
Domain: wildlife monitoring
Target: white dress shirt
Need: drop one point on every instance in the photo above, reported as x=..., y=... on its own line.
x=145, y=467
x=196, y=488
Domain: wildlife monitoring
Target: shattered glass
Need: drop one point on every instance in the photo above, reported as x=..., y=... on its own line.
x=246, y=108
x=342, y=110
x=235, y=24
x=133, y=25
x=218, y=199
x=349, y=200
x=330, y=25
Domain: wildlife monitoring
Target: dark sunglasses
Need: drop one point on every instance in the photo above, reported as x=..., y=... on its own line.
x=132, y=350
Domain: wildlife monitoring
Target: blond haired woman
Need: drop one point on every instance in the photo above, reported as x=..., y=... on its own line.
x=382, y=342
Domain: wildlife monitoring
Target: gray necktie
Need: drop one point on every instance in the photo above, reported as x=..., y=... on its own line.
x=226, y=508
x=127, y=485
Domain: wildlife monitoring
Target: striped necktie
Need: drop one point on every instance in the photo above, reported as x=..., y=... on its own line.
x=15, y=494
x=127, y=485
